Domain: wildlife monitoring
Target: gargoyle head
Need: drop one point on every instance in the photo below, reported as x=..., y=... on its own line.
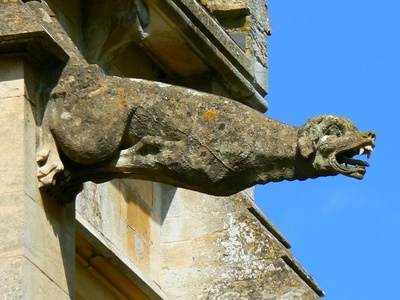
x=330, y=142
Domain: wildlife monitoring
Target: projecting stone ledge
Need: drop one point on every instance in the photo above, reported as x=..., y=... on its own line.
x=224, y=8
x=21, y=33
x=241, y=64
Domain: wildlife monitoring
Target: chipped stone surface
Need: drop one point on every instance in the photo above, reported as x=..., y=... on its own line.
x=231, y=253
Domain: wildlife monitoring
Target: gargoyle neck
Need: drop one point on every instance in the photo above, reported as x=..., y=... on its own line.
x=280, y=158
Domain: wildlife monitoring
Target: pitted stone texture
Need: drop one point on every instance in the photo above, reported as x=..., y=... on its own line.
x=223, y=251
x=16, y=20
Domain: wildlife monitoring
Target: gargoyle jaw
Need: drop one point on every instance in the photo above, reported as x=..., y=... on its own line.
x=345, y=164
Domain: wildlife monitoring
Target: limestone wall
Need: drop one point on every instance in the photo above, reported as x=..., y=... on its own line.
x=187, y=245
x=37, y=234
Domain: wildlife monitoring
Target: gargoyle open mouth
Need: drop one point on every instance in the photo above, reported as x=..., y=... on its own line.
x=347, y=165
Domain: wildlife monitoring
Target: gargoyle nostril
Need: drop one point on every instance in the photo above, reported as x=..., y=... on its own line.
x=371, y=135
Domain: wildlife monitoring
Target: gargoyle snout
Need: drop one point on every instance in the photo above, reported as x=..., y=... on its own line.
x=369, y=135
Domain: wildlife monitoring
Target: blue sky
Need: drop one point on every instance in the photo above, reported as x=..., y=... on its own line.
x=343, y=58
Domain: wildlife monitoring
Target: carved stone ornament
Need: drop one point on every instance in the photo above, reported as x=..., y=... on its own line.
x=108, y=127
x=97, y=127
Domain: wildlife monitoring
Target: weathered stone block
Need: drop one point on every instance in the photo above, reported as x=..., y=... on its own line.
x=49, y=241
x=139, y=214
x=11, y=281
x=178, y=254
x=12, y=158
x=38, y=285
x=143, y=189
x=12, y=82
x=101, y=205
x=11, y=226
x=138, y=250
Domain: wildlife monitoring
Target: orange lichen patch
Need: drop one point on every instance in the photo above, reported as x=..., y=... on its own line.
x=16, y=18
x=135, y=94
x=209, y=115
x=294, y=282
x=24, y=25
x=246, y=26
x=273, y=247
x=264, y=275
x=244, y=131
x=179, y=105
x=123, y=103
x=151, y=94
x=121, y=92
x=172, y=100
x=250, y=51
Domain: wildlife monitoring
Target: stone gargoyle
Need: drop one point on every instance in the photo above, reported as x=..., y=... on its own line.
x=102, y=127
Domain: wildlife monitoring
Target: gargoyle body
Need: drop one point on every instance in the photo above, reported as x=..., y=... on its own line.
x=108, y=127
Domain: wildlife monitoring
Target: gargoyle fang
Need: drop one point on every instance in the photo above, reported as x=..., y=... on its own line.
x=369, y=149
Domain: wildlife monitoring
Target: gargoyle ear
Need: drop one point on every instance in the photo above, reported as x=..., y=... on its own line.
x=311, y=132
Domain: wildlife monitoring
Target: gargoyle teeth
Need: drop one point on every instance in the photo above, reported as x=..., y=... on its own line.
x=369, y=148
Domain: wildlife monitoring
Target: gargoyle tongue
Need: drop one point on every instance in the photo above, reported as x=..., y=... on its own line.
x=341, y=158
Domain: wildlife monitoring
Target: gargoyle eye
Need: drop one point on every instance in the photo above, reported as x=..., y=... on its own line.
x=334, y=130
